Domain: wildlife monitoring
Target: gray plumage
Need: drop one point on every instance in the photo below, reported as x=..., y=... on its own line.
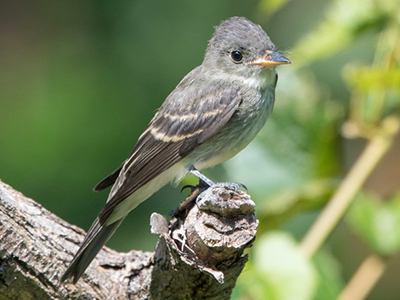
x=213, y=113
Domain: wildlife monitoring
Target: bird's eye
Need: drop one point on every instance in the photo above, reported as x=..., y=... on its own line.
x=237, y=56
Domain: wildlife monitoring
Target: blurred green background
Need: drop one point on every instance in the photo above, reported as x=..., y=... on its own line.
x=80, y=80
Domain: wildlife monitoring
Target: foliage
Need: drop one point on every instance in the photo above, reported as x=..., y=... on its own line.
x=377, y=222
x=298, y=149
x=278, y=270
x=81, y=82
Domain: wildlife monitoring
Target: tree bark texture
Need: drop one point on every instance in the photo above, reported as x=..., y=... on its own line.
x=199, y=254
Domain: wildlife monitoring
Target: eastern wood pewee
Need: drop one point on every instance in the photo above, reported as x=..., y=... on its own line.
x=213, y=113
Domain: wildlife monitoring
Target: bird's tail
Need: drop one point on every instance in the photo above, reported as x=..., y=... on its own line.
x=96, y=237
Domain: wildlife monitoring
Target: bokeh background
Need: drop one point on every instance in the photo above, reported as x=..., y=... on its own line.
x=80, y=80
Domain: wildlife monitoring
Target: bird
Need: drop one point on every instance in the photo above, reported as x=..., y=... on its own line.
x=214, y=112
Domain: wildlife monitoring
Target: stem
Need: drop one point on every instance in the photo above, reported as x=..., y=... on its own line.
x=336, y=207
x=364, y=279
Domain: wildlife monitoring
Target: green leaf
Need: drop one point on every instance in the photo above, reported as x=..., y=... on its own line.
x=365, y=79
x=344, y=20
x=330, y=280
x=278, y=270
x=377, y=222
x=377, y=90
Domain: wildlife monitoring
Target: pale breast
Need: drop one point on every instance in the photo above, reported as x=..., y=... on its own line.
x=241, y=129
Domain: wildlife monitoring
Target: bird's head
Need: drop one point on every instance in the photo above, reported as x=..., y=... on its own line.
x=240, y=47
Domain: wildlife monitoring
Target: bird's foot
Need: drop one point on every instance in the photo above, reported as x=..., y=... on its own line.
x=229, y=185
x=206, y=183
x=188, y=186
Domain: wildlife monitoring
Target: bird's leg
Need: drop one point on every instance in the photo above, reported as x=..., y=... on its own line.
x=209, y=183
x=204, y=182
x=202, y=177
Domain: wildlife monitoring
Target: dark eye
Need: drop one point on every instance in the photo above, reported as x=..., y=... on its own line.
x=236, y=56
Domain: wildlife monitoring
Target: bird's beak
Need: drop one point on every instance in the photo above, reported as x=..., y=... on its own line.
x=270, y=60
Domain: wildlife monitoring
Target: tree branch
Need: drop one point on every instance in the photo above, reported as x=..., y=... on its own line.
x=199, y=254
x=364, y=279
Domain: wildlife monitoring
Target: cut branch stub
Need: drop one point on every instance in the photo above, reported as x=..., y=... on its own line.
x=222, y=225
x=207, y=240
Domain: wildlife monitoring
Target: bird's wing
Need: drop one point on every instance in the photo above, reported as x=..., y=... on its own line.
x=173, y=133
x=109, y=180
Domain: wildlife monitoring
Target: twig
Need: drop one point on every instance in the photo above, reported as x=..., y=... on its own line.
x=364, y=279
x=334, y=210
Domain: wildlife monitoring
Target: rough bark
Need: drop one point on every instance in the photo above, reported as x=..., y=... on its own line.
x=199, y=254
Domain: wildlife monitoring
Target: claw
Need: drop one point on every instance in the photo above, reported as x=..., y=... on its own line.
x=188, y=186
x=243, y=186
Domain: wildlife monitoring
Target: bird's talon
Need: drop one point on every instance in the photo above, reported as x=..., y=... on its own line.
x=243, y=186
x=188, y=186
